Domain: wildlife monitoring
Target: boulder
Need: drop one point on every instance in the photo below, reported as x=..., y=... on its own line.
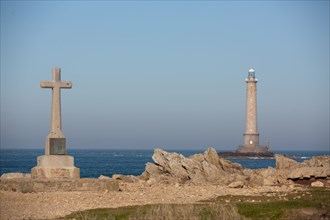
x=228, y=166
x=319, y=161
x=254, y=179
x=124, y=178
x=172, y=163
x=211, y=157
x=154, y=169
x=103, y=177
x=309, y=172
x=237, y=184
x=283, y=162
x=317, y=167
x=269, y=176
x=210, y=172
x=317, y=184
x=272, y=177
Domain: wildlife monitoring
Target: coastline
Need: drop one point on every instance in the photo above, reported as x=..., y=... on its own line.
x=116, y=160
x=171, y=179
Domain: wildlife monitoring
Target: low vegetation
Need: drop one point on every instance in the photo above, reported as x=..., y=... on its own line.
x=312, y=204
x=163, y=211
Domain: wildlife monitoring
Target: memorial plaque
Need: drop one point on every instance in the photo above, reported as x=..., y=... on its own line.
x=57, y=146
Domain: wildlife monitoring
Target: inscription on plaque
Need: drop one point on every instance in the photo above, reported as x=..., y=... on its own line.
x=57, y=146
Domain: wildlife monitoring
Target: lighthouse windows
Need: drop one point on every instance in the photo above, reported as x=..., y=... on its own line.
x=251, y=142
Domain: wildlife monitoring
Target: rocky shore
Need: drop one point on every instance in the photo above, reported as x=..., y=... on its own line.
x=171, y=179
x=210, y=168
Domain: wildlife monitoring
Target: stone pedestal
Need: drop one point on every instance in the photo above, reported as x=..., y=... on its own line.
x=55, y=167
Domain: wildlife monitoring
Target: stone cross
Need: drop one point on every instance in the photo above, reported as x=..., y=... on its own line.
x=55, y=141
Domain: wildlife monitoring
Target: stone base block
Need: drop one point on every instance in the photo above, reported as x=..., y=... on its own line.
x=55, y=173
x=55, y=167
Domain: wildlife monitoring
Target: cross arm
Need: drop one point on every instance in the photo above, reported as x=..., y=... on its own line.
x=52, y=84
x=66, y=84
x=47, y=84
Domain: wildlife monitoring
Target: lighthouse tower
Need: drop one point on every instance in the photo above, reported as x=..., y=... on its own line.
x=251, y=134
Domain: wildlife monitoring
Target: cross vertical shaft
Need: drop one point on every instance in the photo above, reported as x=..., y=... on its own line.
x=56, y=120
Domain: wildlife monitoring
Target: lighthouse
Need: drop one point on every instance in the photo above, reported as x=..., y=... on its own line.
x=251, y=134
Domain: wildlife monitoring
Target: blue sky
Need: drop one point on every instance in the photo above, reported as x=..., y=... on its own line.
x=166, y=74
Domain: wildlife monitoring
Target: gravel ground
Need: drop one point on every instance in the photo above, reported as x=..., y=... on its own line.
x=50, y=205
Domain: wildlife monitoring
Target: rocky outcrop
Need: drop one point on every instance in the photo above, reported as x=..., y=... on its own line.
x=209, y=168
x=174, y=167
x=319, y=161
x=309, y=172
x=317, y=167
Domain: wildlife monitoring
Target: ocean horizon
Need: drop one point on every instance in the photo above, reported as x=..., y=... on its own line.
x=96, y=162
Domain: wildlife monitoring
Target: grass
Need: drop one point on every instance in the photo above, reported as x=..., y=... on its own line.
x=162, y=211
x=272, y=206
x=287, y=207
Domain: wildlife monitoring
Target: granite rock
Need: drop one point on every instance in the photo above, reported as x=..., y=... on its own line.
x=199, y=168
x=125, y=178
x=237, y=184
x=283, y=162
x=309, y=172
x=317, y=184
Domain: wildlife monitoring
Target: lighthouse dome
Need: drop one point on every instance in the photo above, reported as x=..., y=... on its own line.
x=251, y=70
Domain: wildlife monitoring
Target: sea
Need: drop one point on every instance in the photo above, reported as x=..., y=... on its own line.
x=93, y=163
